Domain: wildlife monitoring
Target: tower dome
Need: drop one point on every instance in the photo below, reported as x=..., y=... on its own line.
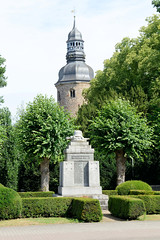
x=74, y=33
x=75, y=75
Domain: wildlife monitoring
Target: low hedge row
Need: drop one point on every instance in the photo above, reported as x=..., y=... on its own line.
x=45, y=207
x=88, y=210
x=156, y=192
x=84, y=209
x=143, y=192
x=126, y=207
x=35, y=194
x=151, y=202
x=110, y=192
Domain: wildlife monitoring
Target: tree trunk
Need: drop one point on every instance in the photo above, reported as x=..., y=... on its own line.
x=121, y=168
x=45, y=175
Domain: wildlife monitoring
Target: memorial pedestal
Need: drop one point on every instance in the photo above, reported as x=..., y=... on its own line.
x=79, y=173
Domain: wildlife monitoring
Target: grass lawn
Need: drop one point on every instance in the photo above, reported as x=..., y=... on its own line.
x=154, y=217
x=36, y=221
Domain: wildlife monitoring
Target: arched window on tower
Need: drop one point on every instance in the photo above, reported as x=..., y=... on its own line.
x=59, y=96
x=72, y=93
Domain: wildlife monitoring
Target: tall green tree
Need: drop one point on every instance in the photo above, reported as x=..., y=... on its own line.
x=133, y=71
x=42, y=130
x=8, y=154
x=119, y=128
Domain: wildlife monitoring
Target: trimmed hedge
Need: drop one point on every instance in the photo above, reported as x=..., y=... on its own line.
x=1, y=185
x=85, y=209
x=110, y=192
x=156, y=192
x=126, y=207
x=35, y=194
x=151, y=202
x=140, y=192
x=10, y=203
x=45, y=207
x=88, y=210
x=124, y=188
x=143, y=192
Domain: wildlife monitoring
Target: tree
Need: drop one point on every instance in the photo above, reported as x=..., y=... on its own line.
x=133, y=66
x=42, y=130
x=119, y=128
x=132, y=73
x=8, y=154
x=3, y=82
x=156, y=3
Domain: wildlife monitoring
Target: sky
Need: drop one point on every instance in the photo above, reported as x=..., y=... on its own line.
x=33, y=35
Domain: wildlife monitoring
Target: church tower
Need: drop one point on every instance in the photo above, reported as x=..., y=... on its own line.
x=75, y=75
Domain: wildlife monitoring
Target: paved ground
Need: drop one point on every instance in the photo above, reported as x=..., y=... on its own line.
x=109, y=229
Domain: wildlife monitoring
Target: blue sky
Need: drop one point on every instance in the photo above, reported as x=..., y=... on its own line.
x=34, y=33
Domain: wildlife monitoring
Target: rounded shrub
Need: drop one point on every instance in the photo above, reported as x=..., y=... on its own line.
x=124, y=188
x=10, y=203
x=1, y=185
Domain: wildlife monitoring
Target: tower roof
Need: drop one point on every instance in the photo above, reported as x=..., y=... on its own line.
x=76, y=70
x=74, y=33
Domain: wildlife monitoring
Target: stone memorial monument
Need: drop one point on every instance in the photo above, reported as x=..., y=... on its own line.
x=79, y=173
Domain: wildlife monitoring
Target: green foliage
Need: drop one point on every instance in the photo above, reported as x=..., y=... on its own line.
x=10, y=203
x=86, y=209
x=45, y=207
x=110, y=192
x=35, y=194
x=1, y=185
x=156, y=192
x=156, y=3
x=29, y=176
x=43, y=128
x=124, y=188
x=3, y=82
x=151, y=202
x=118, y=126
x=107, y=165
x=126, y=207
x=132, y=71
x=141, y=192
x=9, y=162
x=85, y=114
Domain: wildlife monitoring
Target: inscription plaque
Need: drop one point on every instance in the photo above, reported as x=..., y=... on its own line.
x=80, y=157
x=78, y=173
x=81, y=173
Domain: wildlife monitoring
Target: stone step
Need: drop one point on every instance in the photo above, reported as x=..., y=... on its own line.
x=103, y=200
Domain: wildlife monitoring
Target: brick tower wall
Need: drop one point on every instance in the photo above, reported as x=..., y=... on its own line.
x=69, y=102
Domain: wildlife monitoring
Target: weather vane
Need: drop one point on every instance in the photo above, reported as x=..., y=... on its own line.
x=74, y=12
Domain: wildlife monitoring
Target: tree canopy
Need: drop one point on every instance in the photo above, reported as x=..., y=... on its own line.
x=156, y=3
x=132, y=73
x=119, y=128
x=42, y=130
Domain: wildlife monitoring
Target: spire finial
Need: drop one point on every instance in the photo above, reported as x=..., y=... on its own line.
x=74, y=12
